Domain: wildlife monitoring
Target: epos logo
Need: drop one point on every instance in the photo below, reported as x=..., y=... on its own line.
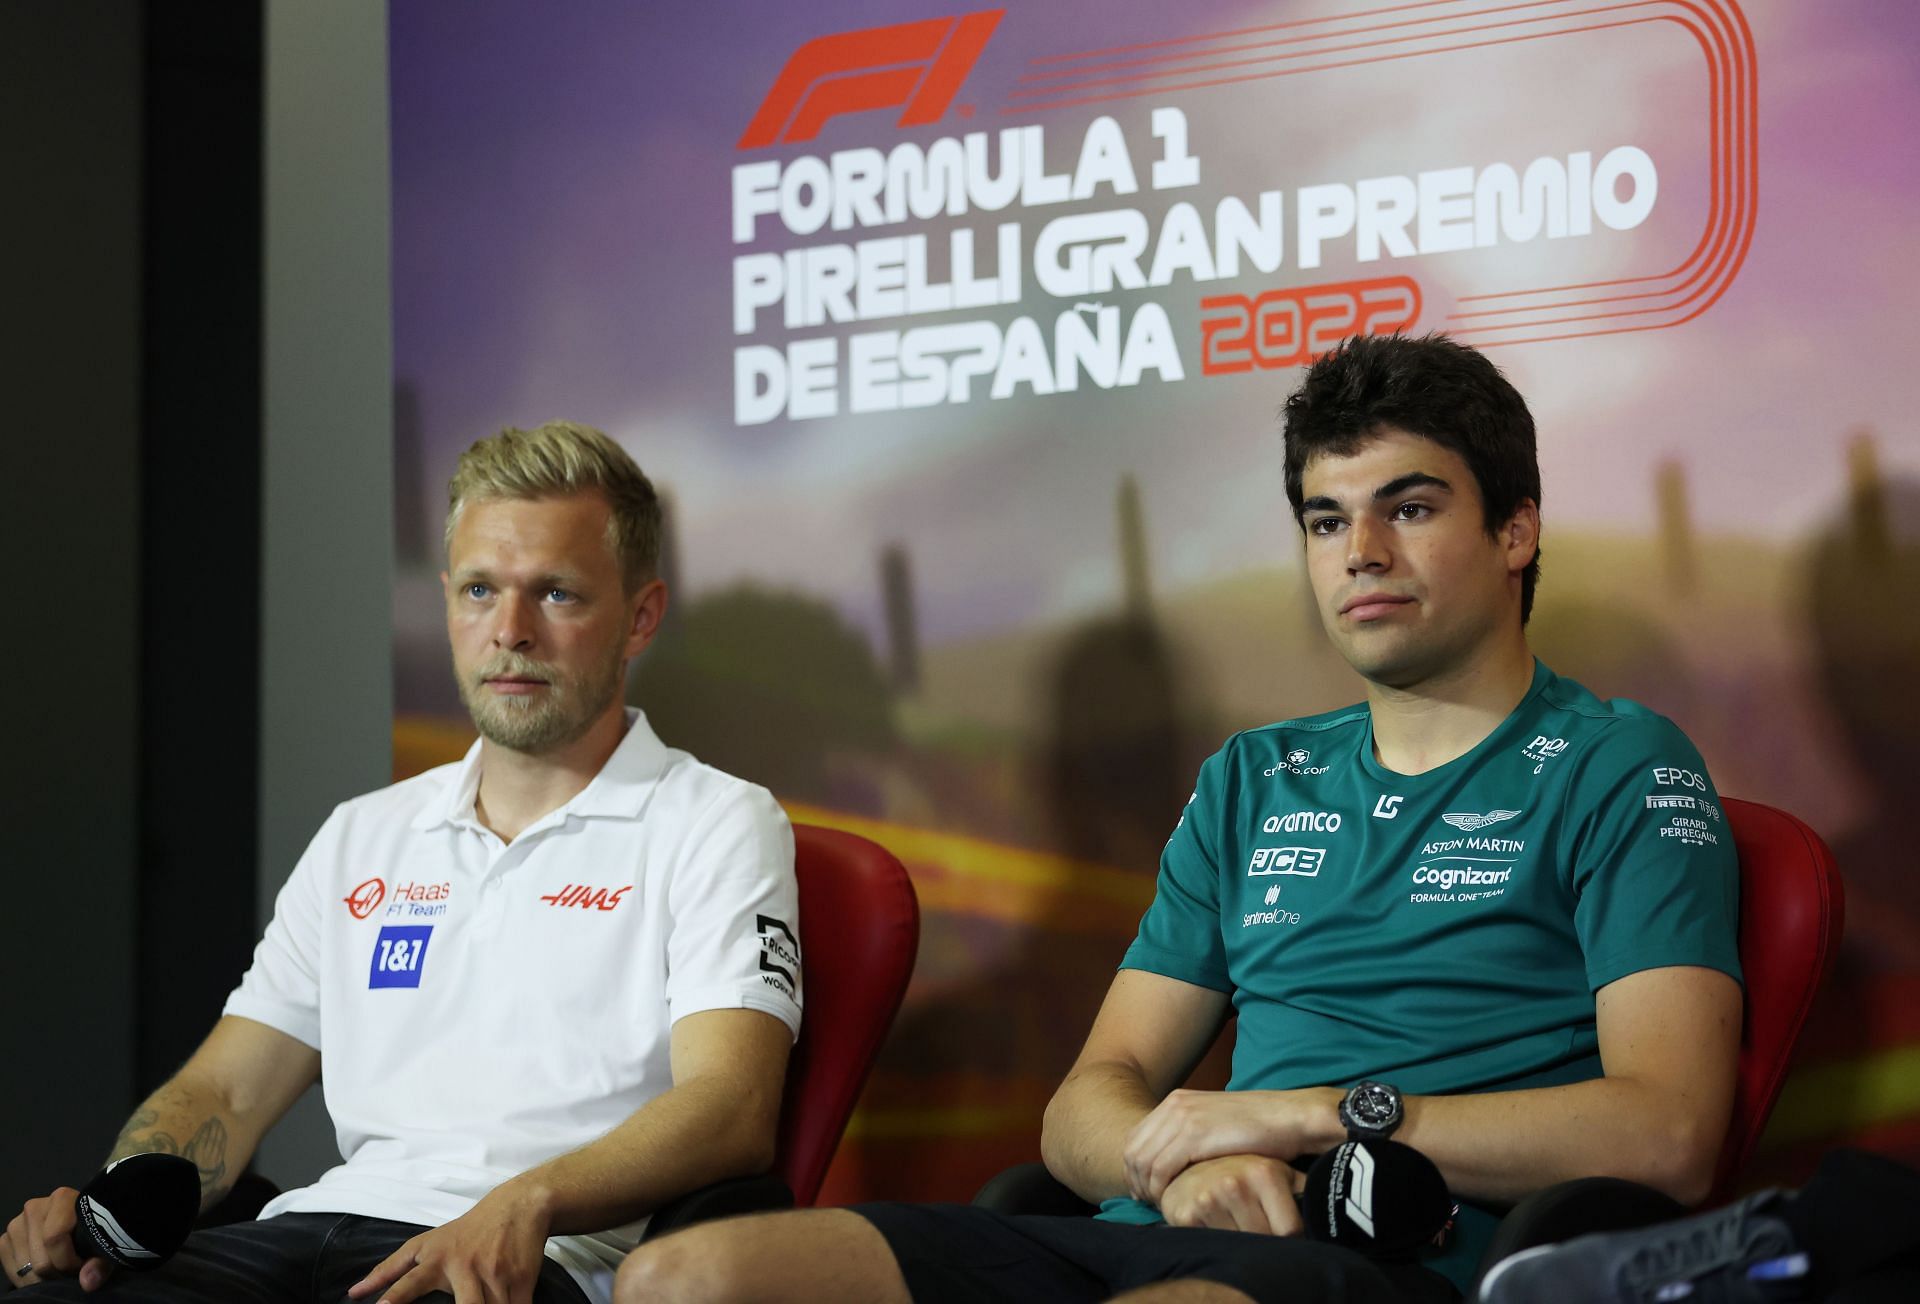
x=919, y=64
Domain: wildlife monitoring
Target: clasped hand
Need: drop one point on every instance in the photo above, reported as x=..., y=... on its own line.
x=1219, y=1158
x=1189, y=1126
x=489, y=1255
x=1237, y=1193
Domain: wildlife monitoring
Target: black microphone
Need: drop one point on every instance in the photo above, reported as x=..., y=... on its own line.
x=1382, y=1198
x=137, y=1210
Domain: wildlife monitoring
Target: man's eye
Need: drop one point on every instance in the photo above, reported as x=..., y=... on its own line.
x=477, y=591
x=1411, y=511
x=1323, y=525
x=559, y=595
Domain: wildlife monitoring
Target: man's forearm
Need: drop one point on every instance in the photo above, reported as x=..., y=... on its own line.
x=194, y=1121
x=1084, y=1134
x=1491, y=1146
x=694, y=1134
x=1506, y=1145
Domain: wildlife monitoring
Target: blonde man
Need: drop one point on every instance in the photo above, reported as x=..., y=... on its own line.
x=552, y=986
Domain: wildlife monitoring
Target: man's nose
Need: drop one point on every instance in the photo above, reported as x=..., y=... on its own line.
x=513, y=623
x=1368, y=547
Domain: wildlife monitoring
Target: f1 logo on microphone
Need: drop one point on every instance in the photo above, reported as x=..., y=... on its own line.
x=919, y=64
x=1360, y=1168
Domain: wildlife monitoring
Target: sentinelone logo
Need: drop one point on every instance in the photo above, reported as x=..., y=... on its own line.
x=920, y=65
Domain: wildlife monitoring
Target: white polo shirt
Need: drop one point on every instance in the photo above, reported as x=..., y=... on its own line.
x=481, y=1007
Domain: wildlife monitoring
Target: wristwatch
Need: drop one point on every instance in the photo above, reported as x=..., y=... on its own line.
x=1371, y=1111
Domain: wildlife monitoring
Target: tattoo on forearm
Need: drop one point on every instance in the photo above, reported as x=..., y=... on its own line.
x=136, y=1138
x=207, y=1148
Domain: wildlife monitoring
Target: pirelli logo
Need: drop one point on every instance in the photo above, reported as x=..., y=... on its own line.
x=918, y=65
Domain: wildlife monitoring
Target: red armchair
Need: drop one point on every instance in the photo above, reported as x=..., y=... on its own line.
x=1792, y=909
x=859, y=931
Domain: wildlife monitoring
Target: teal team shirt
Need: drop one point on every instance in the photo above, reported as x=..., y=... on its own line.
x=1445, y=932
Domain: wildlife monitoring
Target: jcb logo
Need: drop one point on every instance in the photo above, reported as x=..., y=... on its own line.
x=920, y=65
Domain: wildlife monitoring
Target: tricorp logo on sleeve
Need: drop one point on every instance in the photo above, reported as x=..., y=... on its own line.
x=398, y=954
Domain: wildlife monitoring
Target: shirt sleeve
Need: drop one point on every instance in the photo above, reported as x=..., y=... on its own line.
x=282, y=987
x=735, y=939
x=1180, y=933
x=1655, y=878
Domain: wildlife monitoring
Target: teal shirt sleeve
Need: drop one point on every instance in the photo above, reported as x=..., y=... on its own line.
x=1180, y=933
x=1654, y=875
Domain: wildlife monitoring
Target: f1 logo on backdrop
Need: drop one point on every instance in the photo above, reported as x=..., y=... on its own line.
x=920, y=65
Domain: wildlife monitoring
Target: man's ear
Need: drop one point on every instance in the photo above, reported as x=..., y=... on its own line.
x=1520, y=536
x=649, y=608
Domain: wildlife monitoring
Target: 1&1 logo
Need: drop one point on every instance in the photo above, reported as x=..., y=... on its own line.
x=398, y=954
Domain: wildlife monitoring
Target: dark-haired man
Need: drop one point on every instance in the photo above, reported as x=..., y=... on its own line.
x=1483, y=912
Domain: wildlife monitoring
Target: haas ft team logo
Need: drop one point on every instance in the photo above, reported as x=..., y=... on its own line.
x=920, y=65
x=366, y=898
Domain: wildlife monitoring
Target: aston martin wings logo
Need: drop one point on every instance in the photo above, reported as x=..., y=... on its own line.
x=1467, y=823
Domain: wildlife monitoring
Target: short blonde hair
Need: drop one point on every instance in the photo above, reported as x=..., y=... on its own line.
x=560, y=458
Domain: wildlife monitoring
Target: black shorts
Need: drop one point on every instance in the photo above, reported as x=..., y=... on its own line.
x=950, y=1253
x=297, y=1258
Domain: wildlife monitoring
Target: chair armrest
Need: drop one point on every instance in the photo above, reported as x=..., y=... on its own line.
x=736, y=1195
x=1570, y=1209
x=1030, y=1188
x=242, y=1203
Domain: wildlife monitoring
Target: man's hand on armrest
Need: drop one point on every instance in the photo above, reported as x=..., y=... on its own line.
x=717, y=1121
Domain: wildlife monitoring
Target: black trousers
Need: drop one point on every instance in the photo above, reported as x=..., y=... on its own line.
x=960, y=1254
x=297, y=1258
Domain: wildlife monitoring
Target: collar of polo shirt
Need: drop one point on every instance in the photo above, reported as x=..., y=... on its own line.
x=619, y=791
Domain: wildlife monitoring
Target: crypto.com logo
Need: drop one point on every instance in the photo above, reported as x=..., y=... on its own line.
x=920, y=65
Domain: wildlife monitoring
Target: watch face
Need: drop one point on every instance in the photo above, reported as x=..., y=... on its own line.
x=1374, y=1105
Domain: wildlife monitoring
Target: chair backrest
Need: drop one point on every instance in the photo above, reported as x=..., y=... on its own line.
x=859, y=930
x=1792, y=908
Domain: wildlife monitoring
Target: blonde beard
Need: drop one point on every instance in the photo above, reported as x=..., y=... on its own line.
x=548, y=720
